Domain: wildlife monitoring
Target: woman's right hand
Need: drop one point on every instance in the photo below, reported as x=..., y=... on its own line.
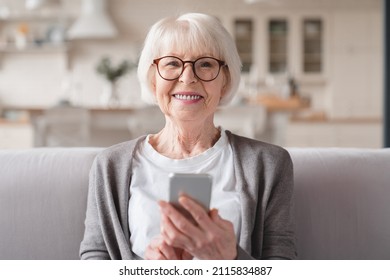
x=159, y=250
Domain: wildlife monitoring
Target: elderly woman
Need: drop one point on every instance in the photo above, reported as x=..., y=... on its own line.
x=189, y=66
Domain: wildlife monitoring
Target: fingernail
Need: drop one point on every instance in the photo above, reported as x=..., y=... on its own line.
x=161, y=206
x=183, y=199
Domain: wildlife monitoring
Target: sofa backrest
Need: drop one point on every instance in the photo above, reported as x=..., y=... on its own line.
x=341, y=202
x=43, y=195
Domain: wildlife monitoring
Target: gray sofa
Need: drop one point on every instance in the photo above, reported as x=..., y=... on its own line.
x=342, y=202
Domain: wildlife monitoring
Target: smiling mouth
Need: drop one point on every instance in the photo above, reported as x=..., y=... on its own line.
x=187, y=97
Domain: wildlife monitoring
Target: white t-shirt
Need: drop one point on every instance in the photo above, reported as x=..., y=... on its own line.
x=150, y=183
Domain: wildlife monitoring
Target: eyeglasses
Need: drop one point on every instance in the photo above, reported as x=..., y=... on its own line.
x=205, y=68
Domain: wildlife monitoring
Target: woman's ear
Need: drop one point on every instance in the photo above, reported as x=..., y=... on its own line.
x=225, y=83
x=153, y=84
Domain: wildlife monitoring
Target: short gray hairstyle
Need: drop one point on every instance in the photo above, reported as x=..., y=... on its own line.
x=189, y=33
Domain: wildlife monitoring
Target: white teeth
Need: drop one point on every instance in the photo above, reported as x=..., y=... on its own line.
x=187, y=97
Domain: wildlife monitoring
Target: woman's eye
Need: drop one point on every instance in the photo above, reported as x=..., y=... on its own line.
x=172, y=63
x=206, y=64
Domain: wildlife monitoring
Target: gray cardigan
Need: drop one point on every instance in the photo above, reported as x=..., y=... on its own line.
x=264, y=175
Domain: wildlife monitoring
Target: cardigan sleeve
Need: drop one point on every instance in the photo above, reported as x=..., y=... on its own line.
x=279, y=237
x=93, y=246
x=243, y=255
x=107, y=234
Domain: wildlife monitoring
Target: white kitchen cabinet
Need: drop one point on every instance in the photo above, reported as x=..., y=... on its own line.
x=283, y=43
x=296, y=46
x=278, y=34
x=357, y=77
x=243, y=30
x=312, y=39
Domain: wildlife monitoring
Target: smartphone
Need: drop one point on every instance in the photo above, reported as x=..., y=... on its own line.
x=196, y=186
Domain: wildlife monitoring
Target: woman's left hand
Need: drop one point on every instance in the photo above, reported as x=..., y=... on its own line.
x=211, y=238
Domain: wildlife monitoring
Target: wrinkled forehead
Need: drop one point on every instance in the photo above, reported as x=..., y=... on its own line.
x=187, y=41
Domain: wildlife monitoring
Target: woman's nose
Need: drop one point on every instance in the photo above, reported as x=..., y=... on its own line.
x=188, y=75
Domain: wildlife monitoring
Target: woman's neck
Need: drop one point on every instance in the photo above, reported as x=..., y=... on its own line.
x=184, y=139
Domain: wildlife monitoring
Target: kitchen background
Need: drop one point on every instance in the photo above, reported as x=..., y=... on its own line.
x=312, y=75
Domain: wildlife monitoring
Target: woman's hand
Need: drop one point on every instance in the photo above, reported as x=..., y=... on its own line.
x=210, y=238
x=159, y=250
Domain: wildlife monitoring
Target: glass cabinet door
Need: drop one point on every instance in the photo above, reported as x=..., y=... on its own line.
x=312, y=45
x=243, y=30
x=278, y=40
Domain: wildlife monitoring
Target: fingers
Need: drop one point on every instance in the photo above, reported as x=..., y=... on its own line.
x=230, y=252
x=218, y=240
x=183, y=223
x=186, y=256
x=152, y=254
x=177, y=230
x=210, y=238
x=172, y=235
x=197, y=212
x=159, y=250
x=216, y=218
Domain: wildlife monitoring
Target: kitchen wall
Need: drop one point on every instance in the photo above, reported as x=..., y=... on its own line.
x=351, y=86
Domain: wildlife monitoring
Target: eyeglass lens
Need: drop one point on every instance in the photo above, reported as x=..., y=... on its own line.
x=205, y=68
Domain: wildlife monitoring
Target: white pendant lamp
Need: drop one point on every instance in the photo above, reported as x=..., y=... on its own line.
x=33, y=4
x=93, y=23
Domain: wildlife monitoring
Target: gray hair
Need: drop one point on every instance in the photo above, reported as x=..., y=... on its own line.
x=201, y=32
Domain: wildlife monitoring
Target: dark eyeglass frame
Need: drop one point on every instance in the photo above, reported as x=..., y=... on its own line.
x=221, y=64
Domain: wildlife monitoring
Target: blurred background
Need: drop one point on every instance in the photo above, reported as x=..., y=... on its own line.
x=312, y=70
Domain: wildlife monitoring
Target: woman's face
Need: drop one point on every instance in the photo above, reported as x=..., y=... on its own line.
x=188, y=98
